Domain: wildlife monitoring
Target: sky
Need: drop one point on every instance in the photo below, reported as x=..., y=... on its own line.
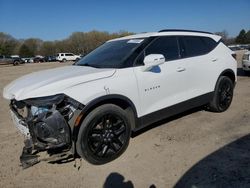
x=57, y=19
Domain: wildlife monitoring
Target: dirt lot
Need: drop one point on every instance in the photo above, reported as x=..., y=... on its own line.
x=196, y=148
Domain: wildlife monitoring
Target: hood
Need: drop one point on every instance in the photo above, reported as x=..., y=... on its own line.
x=53, y=81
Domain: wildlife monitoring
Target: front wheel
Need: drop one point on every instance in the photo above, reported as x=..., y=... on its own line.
x=223, y=95
x=104, y=134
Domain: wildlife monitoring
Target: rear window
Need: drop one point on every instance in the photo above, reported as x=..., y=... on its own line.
x=194, y=46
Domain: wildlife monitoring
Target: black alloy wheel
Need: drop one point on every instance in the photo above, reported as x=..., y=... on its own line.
x=107, y=136
x=104, y=134
x=223, y=95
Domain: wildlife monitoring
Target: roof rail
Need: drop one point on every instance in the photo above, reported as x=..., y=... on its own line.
x=183, y=30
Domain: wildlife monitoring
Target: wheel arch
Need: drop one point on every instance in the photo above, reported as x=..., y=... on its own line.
x=116, y=99
x=230, y=74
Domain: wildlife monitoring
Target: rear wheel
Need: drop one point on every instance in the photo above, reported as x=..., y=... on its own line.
x=223, y=95
x=104, y=134
x=64, y=60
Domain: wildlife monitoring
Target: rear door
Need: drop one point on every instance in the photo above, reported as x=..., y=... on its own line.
x=200, y=61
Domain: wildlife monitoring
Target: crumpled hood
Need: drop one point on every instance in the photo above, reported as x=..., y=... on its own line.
x=53, y=81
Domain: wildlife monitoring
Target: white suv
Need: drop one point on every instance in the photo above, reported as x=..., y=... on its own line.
x=246, y=62
x=91, y=108
x=63, y=57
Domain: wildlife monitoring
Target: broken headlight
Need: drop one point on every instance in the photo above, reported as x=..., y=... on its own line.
x=45, y=101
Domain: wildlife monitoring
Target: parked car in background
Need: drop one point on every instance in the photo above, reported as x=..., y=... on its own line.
x=63, y=57
x=26, y=59
x=234, y=48
x=15, y=60
x=50, y=58
x=237, y=47
x=246, y=62
x=38, y=59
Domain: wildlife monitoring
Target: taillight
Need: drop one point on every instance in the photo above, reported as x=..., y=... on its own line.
x=234, y=56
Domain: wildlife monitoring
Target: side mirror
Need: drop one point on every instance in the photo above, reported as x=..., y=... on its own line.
x=152, y=60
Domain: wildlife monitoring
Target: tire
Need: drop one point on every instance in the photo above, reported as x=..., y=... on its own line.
x=223, y=95
x=64, y=60
x=16, y=63
x=104, y=134
x=77, y=59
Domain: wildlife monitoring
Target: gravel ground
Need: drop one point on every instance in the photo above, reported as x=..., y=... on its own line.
x=195, y=149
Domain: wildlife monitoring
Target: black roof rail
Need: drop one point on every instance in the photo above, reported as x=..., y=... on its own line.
x=183, y=30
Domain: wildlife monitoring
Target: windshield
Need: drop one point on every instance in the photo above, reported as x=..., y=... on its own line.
x=110, y=54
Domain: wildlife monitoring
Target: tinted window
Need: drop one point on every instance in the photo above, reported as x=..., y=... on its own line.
x=166, y=46
x=210, y=43
x=195, y=46
x=68, y=54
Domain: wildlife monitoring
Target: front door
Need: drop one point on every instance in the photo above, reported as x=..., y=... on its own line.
x=163, y=85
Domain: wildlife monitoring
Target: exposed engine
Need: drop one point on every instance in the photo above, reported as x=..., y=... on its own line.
x=51, y=128
x=45, y=123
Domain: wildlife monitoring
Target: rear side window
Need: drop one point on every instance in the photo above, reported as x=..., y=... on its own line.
x=210, y=43
x=166, y=46
x=194, y=46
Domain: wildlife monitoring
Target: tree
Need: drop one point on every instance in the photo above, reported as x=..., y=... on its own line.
x=25, y=51
x=7, y=44
x=241, y=38
x=34, y=45
x=47, y=48
x=248, y=37
x=77, y=42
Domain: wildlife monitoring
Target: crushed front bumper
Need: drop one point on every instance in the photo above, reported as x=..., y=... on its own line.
x=47, y=129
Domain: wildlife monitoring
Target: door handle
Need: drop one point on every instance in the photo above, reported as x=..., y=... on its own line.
x=215, y=59
x=180, y=69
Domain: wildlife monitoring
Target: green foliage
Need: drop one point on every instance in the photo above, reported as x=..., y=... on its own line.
x=241, y=38
x=248, y=37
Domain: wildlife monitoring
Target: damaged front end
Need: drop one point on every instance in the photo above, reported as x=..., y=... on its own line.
x=47, y=124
